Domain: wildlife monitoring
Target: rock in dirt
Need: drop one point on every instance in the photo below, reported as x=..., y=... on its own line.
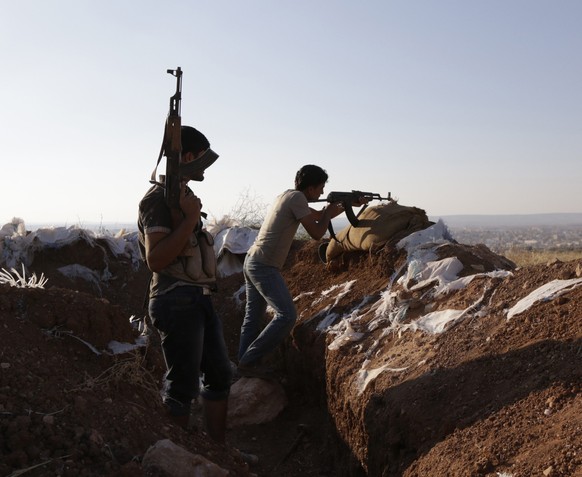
x=254, y=401
x=168, y=459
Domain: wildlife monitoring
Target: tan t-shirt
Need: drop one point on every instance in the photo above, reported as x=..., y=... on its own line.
x=276, y=235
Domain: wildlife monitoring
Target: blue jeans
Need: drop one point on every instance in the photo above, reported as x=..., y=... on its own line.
x=264, y=286
x=193, y=344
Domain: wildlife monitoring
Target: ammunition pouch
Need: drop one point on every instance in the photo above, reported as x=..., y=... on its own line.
x=197, y=261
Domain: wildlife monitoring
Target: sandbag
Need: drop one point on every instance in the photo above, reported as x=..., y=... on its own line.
x=377, y=225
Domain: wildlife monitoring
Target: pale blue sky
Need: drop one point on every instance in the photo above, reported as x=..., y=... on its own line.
x=456, y=107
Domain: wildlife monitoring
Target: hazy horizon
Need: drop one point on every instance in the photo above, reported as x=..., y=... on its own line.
x=453, y=220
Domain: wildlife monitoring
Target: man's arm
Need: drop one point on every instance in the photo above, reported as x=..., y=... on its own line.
x=317, y=222
x=163, y=248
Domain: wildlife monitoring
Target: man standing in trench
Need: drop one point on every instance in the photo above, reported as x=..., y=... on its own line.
x=173, y=244
x=262, y=268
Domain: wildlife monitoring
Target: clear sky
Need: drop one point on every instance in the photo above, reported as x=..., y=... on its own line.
x=454, y=106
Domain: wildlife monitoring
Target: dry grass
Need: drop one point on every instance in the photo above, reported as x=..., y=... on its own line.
x=15, y=279
x=523, y=257
x=128, y=369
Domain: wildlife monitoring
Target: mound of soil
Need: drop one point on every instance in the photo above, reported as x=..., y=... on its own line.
x=488, y=396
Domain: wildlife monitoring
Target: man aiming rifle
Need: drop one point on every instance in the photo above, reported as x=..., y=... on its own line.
x=262, y=267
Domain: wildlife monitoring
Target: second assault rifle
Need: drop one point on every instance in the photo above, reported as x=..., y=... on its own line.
x=349, y=199
x=172, y=146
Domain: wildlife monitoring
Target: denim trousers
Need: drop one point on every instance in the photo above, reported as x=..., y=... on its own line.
x=264, y=286
x=193, y=346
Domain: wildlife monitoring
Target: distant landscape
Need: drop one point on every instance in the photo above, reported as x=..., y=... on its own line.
x=524, y=220
x=529, y=232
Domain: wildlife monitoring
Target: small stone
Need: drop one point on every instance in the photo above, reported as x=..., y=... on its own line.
x=4, y=365
x=549, y=470
x=49, y=420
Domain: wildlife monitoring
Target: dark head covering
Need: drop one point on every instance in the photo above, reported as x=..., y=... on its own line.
x=195, y=142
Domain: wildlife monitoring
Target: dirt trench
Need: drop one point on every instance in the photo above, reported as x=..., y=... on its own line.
x=487, y=396
x=302, y=440
x=491, y=396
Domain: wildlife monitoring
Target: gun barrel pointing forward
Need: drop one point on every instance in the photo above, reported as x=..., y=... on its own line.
x=336, y=196
x=378, y=197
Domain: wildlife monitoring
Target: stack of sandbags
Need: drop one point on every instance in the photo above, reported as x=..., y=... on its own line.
x=377, y=225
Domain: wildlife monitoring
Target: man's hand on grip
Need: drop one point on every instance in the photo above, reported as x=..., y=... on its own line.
x=190, y=203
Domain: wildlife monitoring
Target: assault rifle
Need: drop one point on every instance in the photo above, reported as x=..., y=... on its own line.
x=172, y=146
x=348, y=199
